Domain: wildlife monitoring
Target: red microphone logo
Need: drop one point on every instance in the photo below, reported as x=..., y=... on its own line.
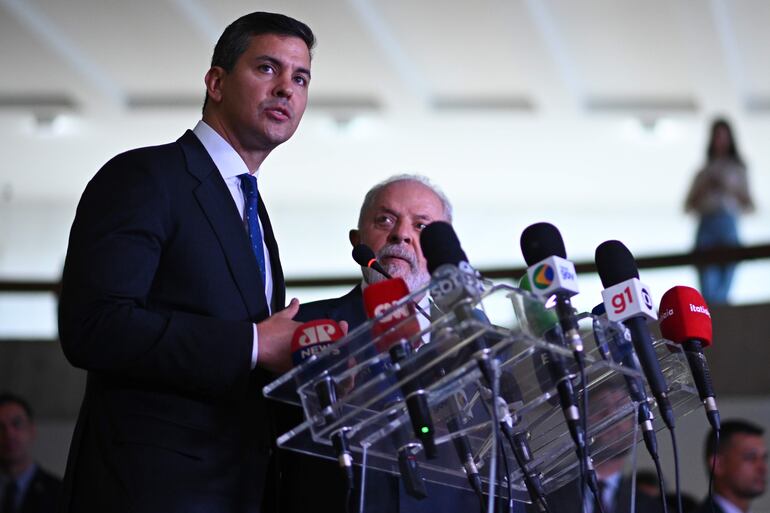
x=391, y=325
x=312, y=338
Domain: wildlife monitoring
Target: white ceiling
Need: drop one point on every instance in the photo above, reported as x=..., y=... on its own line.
x=105, y=61
x=590, y=113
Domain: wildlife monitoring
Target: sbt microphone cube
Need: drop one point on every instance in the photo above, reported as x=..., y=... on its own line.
x=627, y=299
x=551, y=276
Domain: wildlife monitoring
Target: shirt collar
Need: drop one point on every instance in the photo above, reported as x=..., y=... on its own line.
x=727, y=506
x=226, y=159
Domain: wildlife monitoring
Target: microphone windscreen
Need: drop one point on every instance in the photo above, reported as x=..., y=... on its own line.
x=363, y=255
x=440, y=245
x=615, y=263
x=540, y=241
x=684, y=315
x=379, y=298
x=312, y=337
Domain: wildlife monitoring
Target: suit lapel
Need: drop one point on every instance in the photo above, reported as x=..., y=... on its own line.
x=217, y=204
x=354, y=302
x=279, y=288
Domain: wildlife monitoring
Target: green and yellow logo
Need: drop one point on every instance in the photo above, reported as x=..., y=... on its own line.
x=543, y=276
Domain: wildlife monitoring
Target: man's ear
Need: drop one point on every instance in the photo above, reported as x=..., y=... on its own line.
x=213, y=80
x=355, y=237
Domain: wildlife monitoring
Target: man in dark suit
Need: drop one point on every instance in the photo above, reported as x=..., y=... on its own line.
x=392, y=216
x=173, y=295
x=740, y=467
x=25, y=487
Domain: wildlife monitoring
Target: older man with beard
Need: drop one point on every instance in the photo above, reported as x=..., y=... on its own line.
x=393, y=214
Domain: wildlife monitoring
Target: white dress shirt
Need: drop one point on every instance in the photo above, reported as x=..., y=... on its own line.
x=230, y=165
x=727, y=506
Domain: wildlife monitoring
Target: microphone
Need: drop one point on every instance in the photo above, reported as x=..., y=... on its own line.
x=365, y=257
x=455, y=286
x=622, y=352
x=382, y=297
x=551, y=274
x=309, y=339
x=685, y=319
x=544, y=323
x=312, y=337
x=395, y=332
x=628, y=300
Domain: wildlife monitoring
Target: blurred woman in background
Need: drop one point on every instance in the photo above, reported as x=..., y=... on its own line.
x=718, y=195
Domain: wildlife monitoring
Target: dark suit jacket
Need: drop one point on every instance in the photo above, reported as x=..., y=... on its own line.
x=567, y=500
x=43, y=493
x=321, y=479
x=160, y=290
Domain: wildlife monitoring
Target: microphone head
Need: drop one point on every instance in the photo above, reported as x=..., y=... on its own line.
x=684, y=315
x=312, y=337
x=380, y=298
x=440, y=245
x=364, y=255
x=540, y=241
x=615, y=263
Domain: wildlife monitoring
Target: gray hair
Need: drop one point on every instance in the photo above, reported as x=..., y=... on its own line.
x=372, y=194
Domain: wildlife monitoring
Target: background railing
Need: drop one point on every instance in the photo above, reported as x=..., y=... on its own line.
x=693, y=258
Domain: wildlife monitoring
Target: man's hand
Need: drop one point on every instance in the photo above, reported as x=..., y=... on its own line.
x=275, y=334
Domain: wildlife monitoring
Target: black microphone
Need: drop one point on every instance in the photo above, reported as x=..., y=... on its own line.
x=456, y=287
x=365, y=257
x=629, y=301
x=550, y=273
x=621, y=352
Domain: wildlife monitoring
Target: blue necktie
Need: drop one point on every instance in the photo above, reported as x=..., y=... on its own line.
x=249, y=187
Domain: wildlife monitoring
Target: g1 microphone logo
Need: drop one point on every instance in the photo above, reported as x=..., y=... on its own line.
x=625, y=298
x=320, y=333
x=543, y=276
x=647, y=298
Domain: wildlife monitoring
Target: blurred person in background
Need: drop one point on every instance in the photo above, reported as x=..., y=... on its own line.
x=740, y=467
x=24, y=486
x=719, y=193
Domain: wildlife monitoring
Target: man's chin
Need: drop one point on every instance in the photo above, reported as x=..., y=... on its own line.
x=413, y=281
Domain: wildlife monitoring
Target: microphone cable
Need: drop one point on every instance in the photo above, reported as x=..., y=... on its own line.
x=676, y=472
x=661, y=485
x=491, y=365
x=711, y=474
x=501, y=448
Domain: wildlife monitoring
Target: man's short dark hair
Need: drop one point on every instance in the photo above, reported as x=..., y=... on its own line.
x=9, y=398
x=237, y=36
x=729, y=428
